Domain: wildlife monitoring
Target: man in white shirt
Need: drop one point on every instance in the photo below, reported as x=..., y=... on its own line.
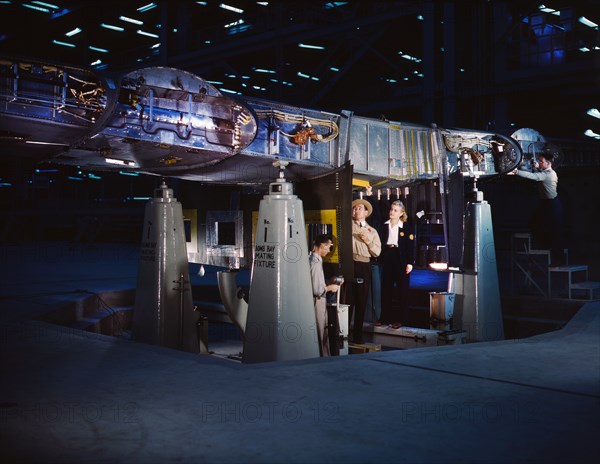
x=547, y=223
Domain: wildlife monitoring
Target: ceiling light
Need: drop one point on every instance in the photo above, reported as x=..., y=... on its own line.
x=409, y=57
x=131, y=20
x=314, y=47
x=149, y=6
x=334, y=4
x=594, y=112
x=231, y=8
x=587, y=22
x=37, y=8
x=110, y=26
x=147, y=34
x=75, y=31
x=591, y=133
x=545, y=9
x=235, y=23
x=306, y=76
x=64, y=44
x=48, y=5
x=96, y=49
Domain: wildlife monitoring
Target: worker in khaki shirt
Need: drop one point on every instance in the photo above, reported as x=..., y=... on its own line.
x=365, y=244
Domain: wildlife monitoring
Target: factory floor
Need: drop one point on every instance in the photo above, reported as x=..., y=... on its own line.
x=70, y=396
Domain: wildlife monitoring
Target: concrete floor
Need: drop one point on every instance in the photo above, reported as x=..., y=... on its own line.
x=69, y=396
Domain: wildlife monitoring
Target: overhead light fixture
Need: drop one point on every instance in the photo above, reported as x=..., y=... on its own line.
x=64, y=44
x=131, y=20
x=262, y=70
x=149, y=6
x=235, y=23
x=546, y=9
x=147, y=34
x=111, y=27
x=334, y=4
x=587, y=22
x=591, y=133
x=306, y=76
x=97, y=49
x=96, y=63
x=408, y=57
x=73, y=32
x=334, y=69
x=313, y=47
x=231, y=8
x=37, y=8
x=47, y=5
x=594, y=112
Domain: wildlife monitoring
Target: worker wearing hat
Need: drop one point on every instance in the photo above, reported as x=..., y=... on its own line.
x=365, y=244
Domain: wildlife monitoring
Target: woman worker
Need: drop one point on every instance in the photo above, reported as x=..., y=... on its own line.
x=396, y=259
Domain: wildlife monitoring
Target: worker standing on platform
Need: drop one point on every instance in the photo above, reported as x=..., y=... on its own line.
x=547, y=223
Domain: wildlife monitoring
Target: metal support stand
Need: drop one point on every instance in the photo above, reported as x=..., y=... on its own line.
x=477, y=304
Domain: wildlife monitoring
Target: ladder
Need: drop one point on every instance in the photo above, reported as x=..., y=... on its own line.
x=520, y=247
x=534, y=266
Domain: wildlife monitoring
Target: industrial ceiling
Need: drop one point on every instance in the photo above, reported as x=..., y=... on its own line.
x=402, y=60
